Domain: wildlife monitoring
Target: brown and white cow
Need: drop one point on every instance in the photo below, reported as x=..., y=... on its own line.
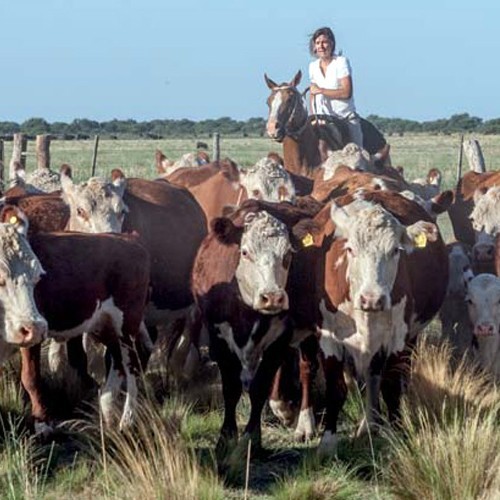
x=231, y=186
x=380, y=271
x=21, y=324
x=239, y=282
x=95, y=284
x=483, y=304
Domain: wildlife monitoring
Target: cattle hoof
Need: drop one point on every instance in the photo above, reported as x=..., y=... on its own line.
x=43, y=430
x=328, y=446
x=284, y=411
x=306, y=426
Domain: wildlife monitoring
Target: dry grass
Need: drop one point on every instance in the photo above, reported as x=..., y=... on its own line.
x=448, y=446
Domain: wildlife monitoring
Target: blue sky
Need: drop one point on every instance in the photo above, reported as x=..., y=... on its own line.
x=202, y=59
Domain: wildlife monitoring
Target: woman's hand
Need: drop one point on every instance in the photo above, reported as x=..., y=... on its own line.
x=315, y=90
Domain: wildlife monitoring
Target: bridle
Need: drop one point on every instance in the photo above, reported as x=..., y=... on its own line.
x=299, y=107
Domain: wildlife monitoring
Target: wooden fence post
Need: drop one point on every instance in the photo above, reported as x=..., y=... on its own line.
x=474, y=156
x=94, y=155
x=43, y=152
x=460, y=156
x=216, y=147
x=2, y=177
x=19, y=145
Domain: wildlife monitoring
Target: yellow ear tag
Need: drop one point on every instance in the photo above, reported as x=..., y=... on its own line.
x=420, y=240
x=13, y=220
x=308, y=240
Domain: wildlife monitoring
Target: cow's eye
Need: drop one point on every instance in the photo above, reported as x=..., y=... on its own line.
x=245, y=254
x=2, y=281
x=81, y=212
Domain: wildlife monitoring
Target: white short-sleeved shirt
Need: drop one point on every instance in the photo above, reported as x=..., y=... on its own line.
x=337, y=69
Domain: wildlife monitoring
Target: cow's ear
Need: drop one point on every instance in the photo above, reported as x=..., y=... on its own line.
x=13, y=215
x=118, y=180
x=441, y=202
x=419, y=234
x=225, y=231
x=230, y=170
x=306, y=233
x=270, y=83
x=341, y=220
x=66, y=180
x=296, y=79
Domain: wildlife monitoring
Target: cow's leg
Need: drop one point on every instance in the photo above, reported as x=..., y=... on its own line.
x=130, y=369
x=308, y=354
x=230, y=369
x=373, y=381
x=31, y=380
x=113, y=384
x=280, y=401
x=77, y=358
x=394, y=382
x=260, y=386
x=336, y=394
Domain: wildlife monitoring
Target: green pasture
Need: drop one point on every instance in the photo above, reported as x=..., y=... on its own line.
x=448, y=447
x=417, y=153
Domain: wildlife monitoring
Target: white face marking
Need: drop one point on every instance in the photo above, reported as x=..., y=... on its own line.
x=262, y=270
x=273, y=113
x=268, y=181
x=96, y=206
x=374, y=244
x=483, y=303
x=20, y=321
x=486, y=213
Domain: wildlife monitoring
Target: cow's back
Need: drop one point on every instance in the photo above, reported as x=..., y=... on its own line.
x=172, y=225
x=82, y=269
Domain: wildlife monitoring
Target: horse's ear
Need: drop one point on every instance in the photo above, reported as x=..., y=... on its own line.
x=269, y=82
x=296, y=79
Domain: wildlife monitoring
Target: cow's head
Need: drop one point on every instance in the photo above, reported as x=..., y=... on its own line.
x=96, y=206
x=375, y=240
x=269, y=181
x=459, y=269
x=265, y=257
x=486, y=223
x=483, y=303
x=20, y=321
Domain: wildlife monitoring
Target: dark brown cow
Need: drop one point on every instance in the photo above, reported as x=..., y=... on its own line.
x=369, y=296
x=239, y=281
x=96, y=284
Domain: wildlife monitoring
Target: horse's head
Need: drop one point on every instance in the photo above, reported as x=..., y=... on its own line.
x=287, y=110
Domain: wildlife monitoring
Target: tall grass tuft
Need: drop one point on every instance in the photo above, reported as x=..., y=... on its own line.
x=448, y=444
x=151, y=461
x=23, y=465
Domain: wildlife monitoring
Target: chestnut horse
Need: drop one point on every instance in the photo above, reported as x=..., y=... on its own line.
x=302, y=135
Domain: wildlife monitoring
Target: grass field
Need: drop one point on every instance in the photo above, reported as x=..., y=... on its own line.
x=449, y=448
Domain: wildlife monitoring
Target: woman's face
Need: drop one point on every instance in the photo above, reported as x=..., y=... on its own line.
x=323, y=46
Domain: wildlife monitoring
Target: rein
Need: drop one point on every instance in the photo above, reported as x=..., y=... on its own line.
x=299, y=98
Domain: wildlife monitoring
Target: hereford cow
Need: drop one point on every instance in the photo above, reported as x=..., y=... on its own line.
x=95, y=284
x=231, y=186
x=483, y=304
x=379, y=271
x=453, y=316
x=21, y=323
x=239, y=281
x=485, y=218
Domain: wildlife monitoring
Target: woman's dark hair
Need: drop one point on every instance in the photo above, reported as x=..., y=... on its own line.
x=321, y=31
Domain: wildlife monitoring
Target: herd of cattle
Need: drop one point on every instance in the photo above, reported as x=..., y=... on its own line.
x=346, y=264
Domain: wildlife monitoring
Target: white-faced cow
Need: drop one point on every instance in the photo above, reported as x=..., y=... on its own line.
x=483, y=304
x=21, y=324
x=380, y=270
x=239, y=281
x=95, y=284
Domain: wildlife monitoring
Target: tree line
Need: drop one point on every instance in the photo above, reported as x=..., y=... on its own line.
x=82, y=128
